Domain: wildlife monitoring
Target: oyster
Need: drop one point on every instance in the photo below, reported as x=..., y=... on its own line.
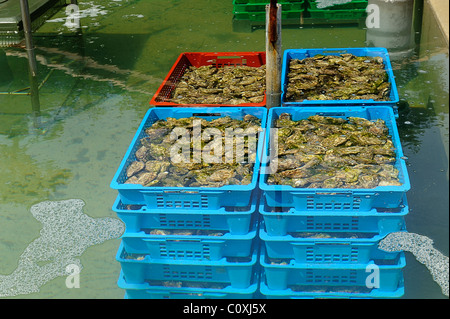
x=142, y=154
x=134, y=168
x=332, y=152
x=169, y=155
x=368, y=181
x=221, y=175
x=344, y=77
x=146, y=178
x=226, y=85
x=184, y=232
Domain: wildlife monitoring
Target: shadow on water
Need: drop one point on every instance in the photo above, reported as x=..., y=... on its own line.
x=413, y=122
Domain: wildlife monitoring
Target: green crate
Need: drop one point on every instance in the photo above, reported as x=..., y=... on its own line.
x=347, y=14
x=261, y=16
x=356, y=4
x=261, y=7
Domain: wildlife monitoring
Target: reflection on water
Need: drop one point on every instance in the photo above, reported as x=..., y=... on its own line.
x=96, y=89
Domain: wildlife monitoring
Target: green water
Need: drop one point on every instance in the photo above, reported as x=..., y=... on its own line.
x=98, y=89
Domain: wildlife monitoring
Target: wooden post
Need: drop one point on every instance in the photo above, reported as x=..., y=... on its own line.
x=273, y=54
x=34, y=87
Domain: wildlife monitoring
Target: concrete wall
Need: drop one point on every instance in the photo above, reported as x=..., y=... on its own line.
x=435, y=24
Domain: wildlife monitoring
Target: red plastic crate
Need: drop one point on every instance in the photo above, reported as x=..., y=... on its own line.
x=197, y=59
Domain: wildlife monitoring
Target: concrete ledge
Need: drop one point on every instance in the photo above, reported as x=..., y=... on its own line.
x=440, y=9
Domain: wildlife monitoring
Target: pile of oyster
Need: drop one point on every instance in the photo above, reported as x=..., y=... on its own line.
x=329, y=152
x=331, y=289
x=344, y=77
x=183, y=232
x=331, y=235
x=226, y=85
x=162, y=160
x=190, y=284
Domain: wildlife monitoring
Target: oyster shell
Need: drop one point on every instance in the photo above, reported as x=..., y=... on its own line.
x=134, y=168
x=343, y=77
x=165, y=159
x=332, y=152
x=226, y=85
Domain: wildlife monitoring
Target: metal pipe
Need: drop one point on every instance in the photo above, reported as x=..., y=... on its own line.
x=273, y=54
x=34, y=88
x=273, y=21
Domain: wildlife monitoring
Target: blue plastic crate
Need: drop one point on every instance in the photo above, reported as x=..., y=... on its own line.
x=190, y=247
x=193, y=198
x=291, y=294
x=280, y=277
x=141, y=269
x=337, y=250
x=289, y=220
x=236, y=221
x=147, y=291
x=335, y=199
x=370, y=52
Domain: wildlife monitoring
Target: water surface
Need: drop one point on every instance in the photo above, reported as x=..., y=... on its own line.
x=97, y=89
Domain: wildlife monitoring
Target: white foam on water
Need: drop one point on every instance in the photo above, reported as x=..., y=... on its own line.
x=66, y=233
x=422, y=248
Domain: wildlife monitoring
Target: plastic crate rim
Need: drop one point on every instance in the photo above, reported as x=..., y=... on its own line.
x=325, y=51
x=338, y=109
x=293, y=264
x=220, y=211
x=345, y=241
x=115, y=185
x=404, y=210
x=188, y=262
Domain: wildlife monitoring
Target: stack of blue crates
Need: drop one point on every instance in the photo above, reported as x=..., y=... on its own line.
x=261, y=240
x=188, y=242
x=323, y=243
